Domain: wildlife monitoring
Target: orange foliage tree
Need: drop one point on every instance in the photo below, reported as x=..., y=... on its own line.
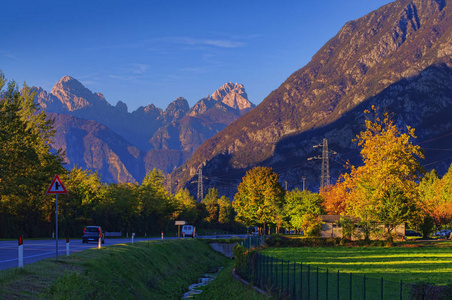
x=436, y=197
x=384, y=189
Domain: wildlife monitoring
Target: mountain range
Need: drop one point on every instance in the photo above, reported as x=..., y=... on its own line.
x=398, y=58
x=124, y=146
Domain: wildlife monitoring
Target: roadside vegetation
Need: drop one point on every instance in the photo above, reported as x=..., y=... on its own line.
x=145, y=270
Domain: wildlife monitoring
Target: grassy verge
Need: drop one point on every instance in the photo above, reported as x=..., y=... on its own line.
x=146, y=270
x=227, y=288
x=411, y=262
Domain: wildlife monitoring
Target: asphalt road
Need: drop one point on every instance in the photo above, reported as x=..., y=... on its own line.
x=35, y=250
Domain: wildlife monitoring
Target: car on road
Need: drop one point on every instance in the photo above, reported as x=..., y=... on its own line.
x=189, y=230
x=443, y=233
x=93, y=233
x=412, y=233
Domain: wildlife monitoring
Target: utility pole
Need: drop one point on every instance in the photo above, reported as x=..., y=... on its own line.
x=169, y=186
x=200, y=195
x=325, y=175
x=325, y=172
x=304, y=179
x=200, y=189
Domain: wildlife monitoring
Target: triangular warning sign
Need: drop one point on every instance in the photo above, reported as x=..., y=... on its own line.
x=57, y=187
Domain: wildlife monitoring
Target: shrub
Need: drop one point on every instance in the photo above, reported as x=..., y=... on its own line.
x=243, y=257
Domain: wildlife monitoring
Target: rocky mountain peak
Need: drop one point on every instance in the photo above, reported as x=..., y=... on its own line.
x=121, y=106
x=233, y=95
x=151, y=110
x=373, y=58
x=75, y=96
x=176, y=109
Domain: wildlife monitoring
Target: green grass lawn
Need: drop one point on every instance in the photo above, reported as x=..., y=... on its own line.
x=411, y=262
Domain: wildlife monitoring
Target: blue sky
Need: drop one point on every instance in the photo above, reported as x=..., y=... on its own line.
x=143, y=52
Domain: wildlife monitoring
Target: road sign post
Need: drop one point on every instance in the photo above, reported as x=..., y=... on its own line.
x=56, y=187
x=178, y=224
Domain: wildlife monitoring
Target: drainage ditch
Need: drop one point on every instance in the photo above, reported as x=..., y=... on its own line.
x=195, y=288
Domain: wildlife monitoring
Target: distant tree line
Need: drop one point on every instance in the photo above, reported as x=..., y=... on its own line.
x=390, y=188
x=28, y=163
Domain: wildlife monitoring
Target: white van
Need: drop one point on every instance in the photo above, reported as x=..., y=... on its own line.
x=189, y=230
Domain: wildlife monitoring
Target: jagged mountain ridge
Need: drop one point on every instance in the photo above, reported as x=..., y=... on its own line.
x=91, y=145
x=367, y=62
x=158, y=139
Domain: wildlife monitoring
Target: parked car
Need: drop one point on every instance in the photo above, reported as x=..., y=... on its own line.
x=254, y=230
x=189, y=230
x=412, y=233
x=443, y=233
x=93, y=233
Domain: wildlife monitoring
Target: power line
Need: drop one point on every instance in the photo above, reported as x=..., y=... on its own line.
x=325, y=180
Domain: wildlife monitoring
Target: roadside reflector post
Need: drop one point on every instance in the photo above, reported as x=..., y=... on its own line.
x=21, y=252
x=133, y=236
x=162, y=235
x=67, y=246
x=99, y=242
x=183, y=235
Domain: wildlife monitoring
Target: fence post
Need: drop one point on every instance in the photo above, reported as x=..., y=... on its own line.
x=271, y=271
x=326, y=284
x=265, y=270
x=381, y=289
x=317, y=285
x=294, y=292
x=401, y=288
x=276, y=272
x=309, y=282
x=288, y=281
x=364, y=287
x=337, y=294
x=282, y=275
x=301, y=280
x=351, y=287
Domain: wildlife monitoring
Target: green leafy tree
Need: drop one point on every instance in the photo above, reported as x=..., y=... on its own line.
x=226, y=212
x=85, y=192
x=185, y=207
x=27, y=164
x=119, y=208
x=436, y=199
x=155, y=207
x=211, y=204
x=393, y=209
x=260, y=198
x=303, y=209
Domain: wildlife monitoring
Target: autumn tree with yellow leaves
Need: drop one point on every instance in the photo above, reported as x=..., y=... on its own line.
x=383, y=191
x=260, y=198
x=435, y=200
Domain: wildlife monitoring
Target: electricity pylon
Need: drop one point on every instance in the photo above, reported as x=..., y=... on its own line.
x=200, y=188
x=325, y=172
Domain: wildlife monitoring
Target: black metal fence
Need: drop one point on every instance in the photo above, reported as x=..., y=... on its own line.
x=295, y=280
x=253, y=241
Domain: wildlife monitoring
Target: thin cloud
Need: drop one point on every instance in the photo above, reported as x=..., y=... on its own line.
x=10, y=56
x=220, y=43
x=136, y=68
